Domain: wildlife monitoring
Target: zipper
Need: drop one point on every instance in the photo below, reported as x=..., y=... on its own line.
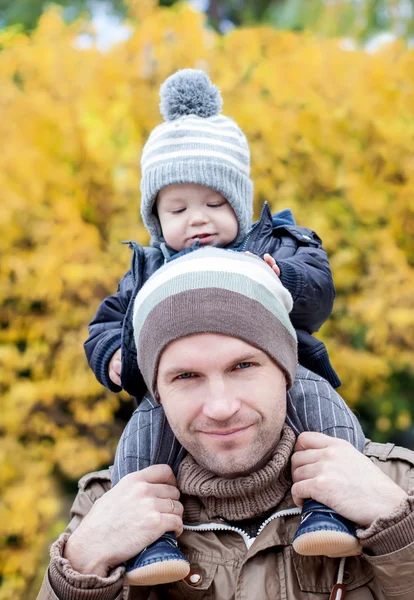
x=247, y=539
x=254, y=227
x=133, y=246
x=282, y=513
x=221, y=527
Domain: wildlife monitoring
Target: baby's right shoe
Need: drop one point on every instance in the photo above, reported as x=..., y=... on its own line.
x=323, y=532
x=161, y=562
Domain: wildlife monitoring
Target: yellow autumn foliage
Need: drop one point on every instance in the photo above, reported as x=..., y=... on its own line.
x=332, y=137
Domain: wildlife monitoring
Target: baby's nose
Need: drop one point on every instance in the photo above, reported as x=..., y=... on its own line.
x=198, y=217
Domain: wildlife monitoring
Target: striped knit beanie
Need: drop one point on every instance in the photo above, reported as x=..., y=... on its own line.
x=212, y=290
x=196, y=144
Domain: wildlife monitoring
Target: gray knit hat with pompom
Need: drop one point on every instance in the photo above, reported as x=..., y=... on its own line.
x=196, y=144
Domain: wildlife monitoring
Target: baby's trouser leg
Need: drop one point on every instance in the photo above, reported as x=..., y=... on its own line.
x=313, y=405
x=146, y=440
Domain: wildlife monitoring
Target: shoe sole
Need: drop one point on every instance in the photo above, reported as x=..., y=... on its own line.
x=158, y=573
x=327, y=543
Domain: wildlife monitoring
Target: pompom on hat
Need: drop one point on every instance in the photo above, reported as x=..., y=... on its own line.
x=189, y=92
x=212, y=290
x=196, y=144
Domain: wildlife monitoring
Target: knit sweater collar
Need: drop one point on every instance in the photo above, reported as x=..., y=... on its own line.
x=242, y=497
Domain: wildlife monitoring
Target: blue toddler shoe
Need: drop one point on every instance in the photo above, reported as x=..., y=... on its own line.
x=161, y=562
x=322, y=532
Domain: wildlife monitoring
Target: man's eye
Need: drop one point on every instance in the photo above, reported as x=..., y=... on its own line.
x=244, y=365
x=186, y=376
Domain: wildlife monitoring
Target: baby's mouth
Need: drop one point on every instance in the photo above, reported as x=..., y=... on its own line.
x=203, y=237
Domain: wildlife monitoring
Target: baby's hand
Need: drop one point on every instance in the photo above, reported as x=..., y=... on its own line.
x=114, y=368
x=272, y=263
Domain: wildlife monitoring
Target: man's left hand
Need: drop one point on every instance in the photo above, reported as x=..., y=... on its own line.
x=333, y=472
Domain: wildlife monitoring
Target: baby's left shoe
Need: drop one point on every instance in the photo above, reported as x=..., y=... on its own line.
x=323, y=532
x=161, y=562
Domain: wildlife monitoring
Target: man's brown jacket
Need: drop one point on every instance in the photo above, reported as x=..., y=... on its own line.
x=232, y=566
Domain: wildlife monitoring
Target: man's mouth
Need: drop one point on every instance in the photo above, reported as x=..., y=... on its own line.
x=226, y=433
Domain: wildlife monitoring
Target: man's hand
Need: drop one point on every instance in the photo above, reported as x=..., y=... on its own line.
x=272, y=263
x=131, y=516
x=114, y=368
x=331, y=471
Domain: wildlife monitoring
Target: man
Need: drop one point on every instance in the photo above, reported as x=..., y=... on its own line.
x=214, y=349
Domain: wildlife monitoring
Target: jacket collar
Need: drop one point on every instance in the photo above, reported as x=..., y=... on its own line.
x=262, y=230
x=277, y=529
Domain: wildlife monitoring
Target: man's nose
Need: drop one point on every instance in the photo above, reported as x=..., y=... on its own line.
x=221, y=403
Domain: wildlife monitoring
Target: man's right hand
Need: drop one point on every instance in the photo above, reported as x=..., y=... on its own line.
x=114, y=368
x=127, y=519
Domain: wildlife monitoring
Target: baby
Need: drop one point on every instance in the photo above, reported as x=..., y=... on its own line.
x=196, y=191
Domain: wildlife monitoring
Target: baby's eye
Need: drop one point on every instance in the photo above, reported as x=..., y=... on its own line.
x=216, y=205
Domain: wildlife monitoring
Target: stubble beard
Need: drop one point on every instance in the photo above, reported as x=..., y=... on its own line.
x=229, y=462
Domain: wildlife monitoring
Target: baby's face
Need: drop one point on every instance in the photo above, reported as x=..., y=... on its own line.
x=187, y=211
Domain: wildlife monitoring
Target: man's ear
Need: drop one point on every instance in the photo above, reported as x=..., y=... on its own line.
x=157, y=396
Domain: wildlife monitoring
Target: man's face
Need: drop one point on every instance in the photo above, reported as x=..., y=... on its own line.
x=225, y=401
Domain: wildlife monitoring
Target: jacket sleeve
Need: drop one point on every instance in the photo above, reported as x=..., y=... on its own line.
x=389, y=548
x=61, y=581
x=395, y=573
x=64, y=583
x=388, y=543
x=307, y=275
x=105, y=331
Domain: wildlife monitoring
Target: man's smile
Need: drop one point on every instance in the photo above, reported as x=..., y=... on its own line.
x=227, y=434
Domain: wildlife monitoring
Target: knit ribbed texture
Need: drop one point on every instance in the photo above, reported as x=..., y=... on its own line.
x=104, y=350
x=214, y=291
x=71, y=585
x=196, y=144
x=291, y=277
x=241, y=497
x=389, y=534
